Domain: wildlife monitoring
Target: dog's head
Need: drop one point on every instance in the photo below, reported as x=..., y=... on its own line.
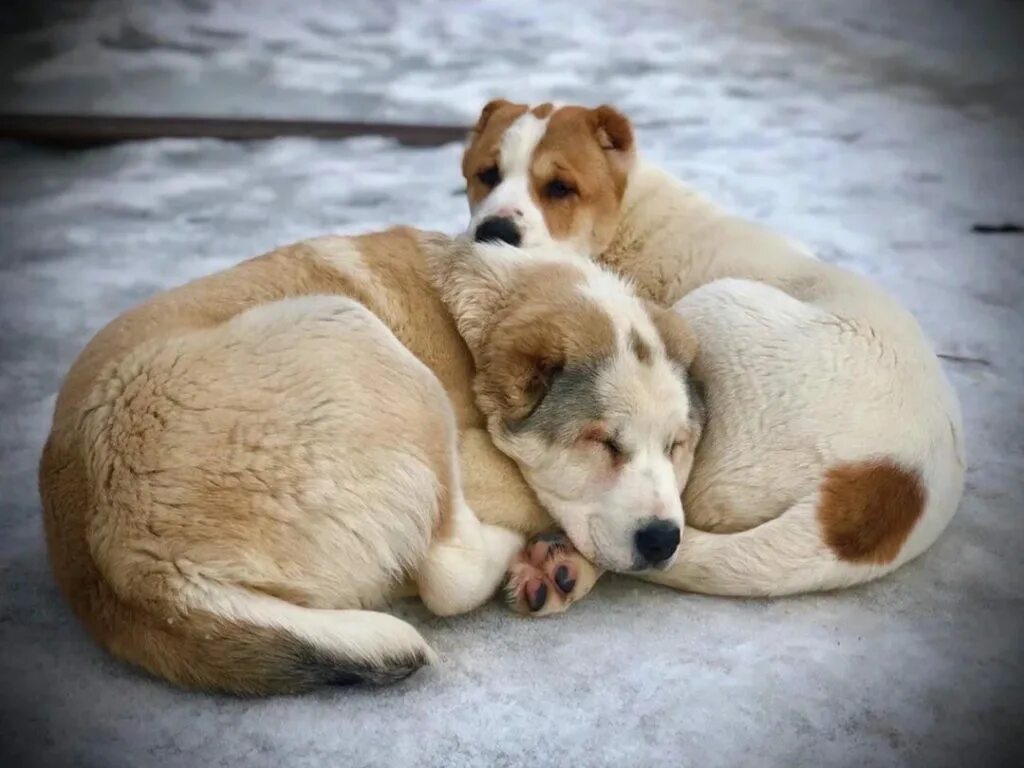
x=586, y=387
x=543, y=174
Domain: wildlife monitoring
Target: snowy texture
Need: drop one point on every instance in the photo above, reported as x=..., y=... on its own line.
x=878, y=138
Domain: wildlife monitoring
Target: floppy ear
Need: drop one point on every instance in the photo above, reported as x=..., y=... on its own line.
x=473, y=280
x=679, y=339
x=517, y=368
x=614, y=134
x=681, y=346
x=485, y=114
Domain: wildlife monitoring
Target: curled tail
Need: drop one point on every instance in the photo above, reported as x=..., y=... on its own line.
x=867, y=519
x=783, y=556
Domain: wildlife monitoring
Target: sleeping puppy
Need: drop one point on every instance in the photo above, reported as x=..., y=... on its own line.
x=242, y=470
x=833, y=450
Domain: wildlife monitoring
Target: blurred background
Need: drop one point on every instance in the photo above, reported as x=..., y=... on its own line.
x=886, y=135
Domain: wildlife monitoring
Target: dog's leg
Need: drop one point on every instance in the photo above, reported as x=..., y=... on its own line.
x=548, y=576
x=494, y=487
x=466, y=562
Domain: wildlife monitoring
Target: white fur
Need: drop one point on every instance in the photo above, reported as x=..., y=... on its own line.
x=511, y=198
x=369, y=637
x=807, y=367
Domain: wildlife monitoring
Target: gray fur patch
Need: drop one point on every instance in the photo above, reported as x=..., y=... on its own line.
x=571, y=401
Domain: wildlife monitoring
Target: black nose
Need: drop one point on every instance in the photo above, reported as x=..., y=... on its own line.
x=502, y=230
x=656, y=542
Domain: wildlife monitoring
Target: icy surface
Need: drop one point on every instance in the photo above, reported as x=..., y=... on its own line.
x=877, y=135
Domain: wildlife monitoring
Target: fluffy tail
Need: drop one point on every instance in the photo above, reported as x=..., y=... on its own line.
x=251, y=644
x=213, y=635
x=783, y=556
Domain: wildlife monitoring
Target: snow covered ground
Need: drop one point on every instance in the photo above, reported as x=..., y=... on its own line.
x=877, y=134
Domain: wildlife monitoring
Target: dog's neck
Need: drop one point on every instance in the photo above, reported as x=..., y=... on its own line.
x=656, y=241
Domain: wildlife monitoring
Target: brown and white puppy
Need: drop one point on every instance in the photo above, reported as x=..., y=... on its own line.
x=242, y=470
x=833, y=451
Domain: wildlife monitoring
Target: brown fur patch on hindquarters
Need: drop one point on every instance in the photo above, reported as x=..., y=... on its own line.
x=868, y=509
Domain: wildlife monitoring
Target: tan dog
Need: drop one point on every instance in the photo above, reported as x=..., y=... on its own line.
x=242, y=469
x=833, y=452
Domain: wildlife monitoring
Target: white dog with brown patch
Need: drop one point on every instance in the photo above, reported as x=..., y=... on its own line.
x=833, y=450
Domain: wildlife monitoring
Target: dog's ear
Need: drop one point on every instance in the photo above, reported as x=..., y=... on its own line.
x=614, y=134
x=486, y=113
x=679, y=339
x=698, y=401
x=533, y=344
x=681, y=346
x=517, y=369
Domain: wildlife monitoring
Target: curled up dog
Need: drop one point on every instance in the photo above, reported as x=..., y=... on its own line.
x=833, y=450
x=242, y=471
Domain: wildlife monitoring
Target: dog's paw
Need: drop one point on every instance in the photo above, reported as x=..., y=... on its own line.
x=548, y=576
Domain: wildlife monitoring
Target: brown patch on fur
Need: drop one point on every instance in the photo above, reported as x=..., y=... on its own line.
x=590, y=151
x=543, y=110
x=677, y=336
x=544, y=324
x=639, y=347
x=869, y=508
x=484, y=143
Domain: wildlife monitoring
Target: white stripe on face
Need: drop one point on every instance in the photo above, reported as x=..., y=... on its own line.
x=511, y=198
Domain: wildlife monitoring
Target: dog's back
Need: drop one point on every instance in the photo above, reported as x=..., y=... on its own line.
x=834, y=451
x=198, y=484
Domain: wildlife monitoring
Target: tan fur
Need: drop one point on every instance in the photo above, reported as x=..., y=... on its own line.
x=680, y=341
x=544, y=324
x=192, y=475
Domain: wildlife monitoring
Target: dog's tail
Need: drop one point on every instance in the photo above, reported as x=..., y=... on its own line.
x=865, y=521
x=783, y=556
x=248, y=643
x=212, y=635
x=254, y=644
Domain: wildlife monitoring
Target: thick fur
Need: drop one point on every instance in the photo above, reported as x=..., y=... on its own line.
x=240, y=467
x=833, y=451
x=243, y=469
